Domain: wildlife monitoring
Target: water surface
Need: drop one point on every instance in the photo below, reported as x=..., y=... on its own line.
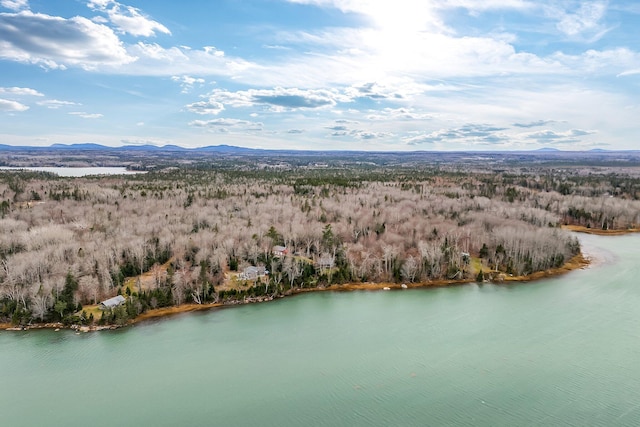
x=77, y=172
x=558, y=352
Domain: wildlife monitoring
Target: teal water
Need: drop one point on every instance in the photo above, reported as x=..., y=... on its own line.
x=559, y=352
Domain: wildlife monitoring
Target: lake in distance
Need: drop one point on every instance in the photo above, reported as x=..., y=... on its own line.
x=75, y=172
x=557, y=352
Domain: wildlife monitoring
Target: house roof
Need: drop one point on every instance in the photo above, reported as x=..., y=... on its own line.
x=279, y=248
x=113, y=302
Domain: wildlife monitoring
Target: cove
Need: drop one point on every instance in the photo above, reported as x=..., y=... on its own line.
x=561, y=351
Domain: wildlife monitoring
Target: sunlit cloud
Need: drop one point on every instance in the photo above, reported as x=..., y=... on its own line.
x=86, y=115
x=187, y=83
x=224, y=125
x=8, y=105
x=572, y=135
x=20, y=91
x=55, y=42
x=585, y=19
x=537, y=123
x=277, y=99
x=14, y=4
x=128, y=19
x=442, y=74
x=54, y=104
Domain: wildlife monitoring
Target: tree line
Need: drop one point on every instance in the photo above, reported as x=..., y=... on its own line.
x=68, y=243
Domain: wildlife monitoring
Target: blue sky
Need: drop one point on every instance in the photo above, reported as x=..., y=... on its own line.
x=322, y=74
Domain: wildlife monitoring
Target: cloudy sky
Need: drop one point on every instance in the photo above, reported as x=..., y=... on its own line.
x=322, y=74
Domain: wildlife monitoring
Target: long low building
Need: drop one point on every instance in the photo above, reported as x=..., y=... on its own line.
x=112, y=302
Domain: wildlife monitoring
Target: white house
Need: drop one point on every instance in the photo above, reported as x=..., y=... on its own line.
x=252, y=273
x=112, y=302
x=279, y=250
x=325, y=262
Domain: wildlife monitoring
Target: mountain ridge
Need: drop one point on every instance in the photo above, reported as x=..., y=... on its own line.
x=232, y=149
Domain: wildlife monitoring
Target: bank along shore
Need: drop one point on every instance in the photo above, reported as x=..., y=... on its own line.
x=577, y=262
x=600, y=232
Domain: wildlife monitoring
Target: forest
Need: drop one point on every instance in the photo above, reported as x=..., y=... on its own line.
x=202, y=232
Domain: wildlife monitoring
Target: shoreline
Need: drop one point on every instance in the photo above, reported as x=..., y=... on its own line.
x=598, y=232
x=577, y=262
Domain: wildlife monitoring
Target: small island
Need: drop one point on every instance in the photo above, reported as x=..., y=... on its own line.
x=196, y=232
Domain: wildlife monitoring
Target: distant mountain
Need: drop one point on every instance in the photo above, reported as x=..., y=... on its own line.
x=143, y=147
x=173, y=148
x=149, y=147
x=82, y=146
x=232, y=149
x=227, y=149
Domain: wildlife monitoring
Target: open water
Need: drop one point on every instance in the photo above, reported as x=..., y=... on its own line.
x=75, y=172
x=558, y=352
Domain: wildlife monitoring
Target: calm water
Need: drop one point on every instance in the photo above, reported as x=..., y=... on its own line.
x=557, y=352
x=77, y=172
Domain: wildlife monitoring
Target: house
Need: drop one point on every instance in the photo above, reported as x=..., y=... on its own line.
x=112, y=302
x=325, y=262
x=252, y=273
x=279, y=250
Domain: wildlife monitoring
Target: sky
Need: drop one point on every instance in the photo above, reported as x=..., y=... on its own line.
x=401, y=75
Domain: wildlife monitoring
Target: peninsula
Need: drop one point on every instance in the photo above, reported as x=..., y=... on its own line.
x=200, y=231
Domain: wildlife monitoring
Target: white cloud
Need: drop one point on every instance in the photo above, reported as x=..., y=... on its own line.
x=550, y=136
x=56, y=42
x=15, y=4
x=128, y=19
x=408, y=67
x=223, y=125
x=187, y=82
x=153, y=59
x=351, y=56
x=86, y=115
x=54, y=104
x=631, y=72
x=399, y=15
x=586, y=19
x=403, y=16
x=20, y=91
x=396, y=114
x=362, y=134
x=477, y=134
x=392, y=88
x=477, y=6
x=275, y=47
x=206, y=107
x=601, y=61
x=8, y=105
x=344, y=128
x=537, y=123
x=277, y=99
